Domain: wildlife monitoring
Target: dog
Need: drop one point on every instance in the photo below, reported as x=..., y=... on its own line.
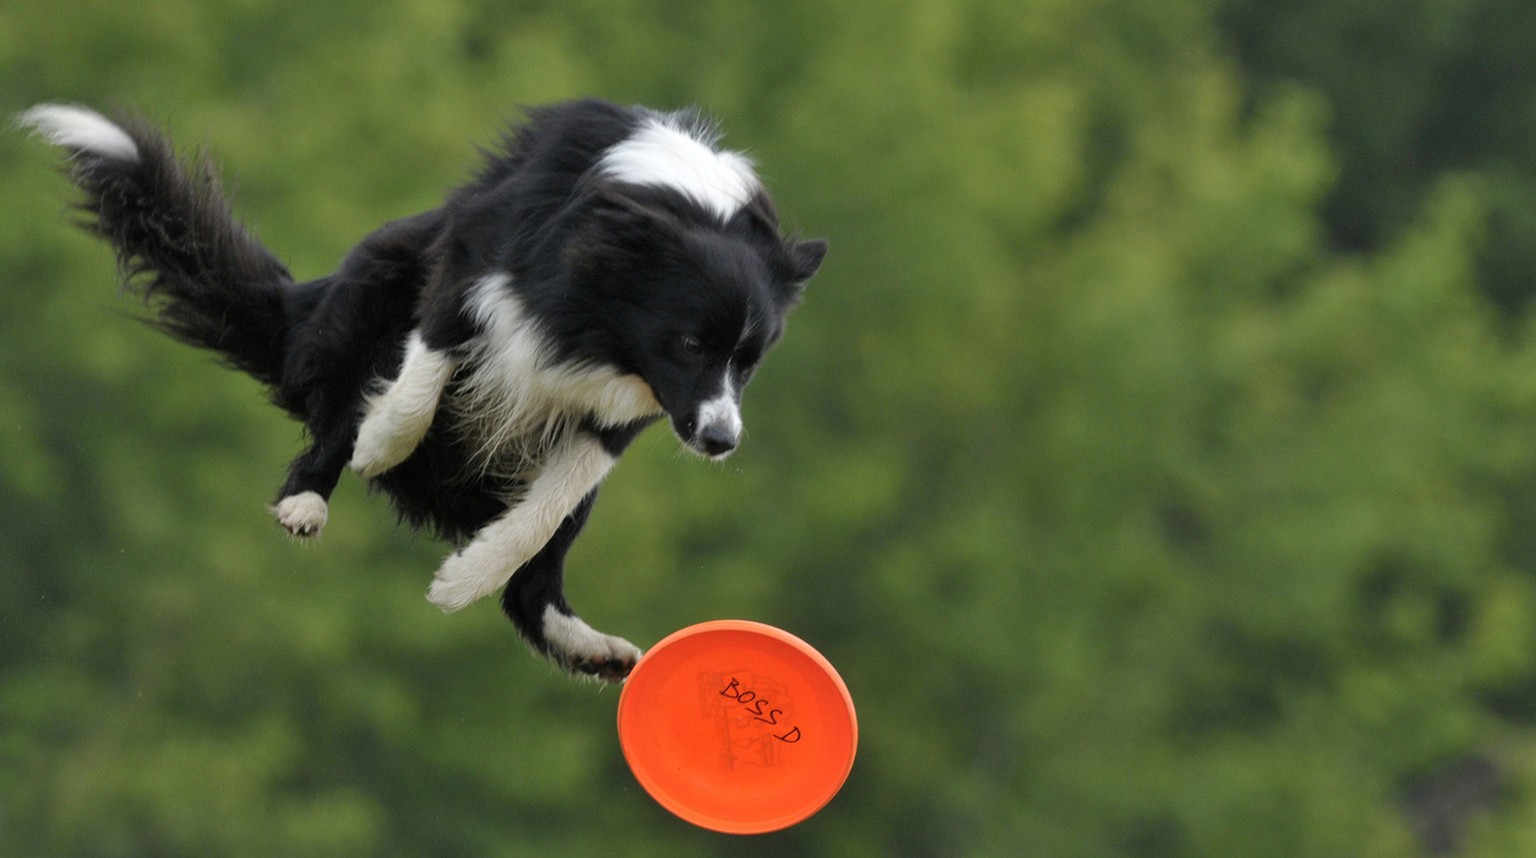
x=484, y=363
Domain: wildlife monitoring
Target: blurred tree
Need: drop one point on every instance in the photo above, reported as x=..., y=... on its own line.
x=1415, y=90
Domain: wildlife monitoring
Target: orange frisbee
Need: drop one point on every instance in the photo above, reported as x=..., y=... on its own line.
x=737, y=726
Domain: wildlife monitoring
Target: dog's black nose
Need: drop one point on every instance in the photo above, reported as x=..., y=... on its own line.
x=717, y=440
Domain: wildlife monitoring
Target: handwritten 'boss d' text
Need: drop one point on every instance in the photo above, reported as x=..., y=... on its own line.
x=761, y=709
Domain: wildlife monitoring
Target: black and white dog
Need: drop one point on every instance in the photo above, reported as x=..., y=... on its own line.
x=483, y=363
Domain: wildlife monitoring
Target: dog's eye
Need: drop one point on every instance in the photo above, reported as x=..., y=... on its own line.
x=745, y=362
x=691, y=346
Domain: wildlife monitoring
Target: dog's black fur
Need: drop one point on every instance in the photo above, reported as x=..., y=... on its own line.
x=646, y=291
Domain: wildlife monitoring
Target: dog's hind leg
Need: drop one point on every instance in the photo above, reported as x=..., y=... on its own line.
x=303, y=503
x=535, y=601
x=324, y=386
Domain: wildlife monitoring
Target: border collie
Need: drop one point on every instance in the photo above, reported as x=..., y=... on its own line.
x=483, y=363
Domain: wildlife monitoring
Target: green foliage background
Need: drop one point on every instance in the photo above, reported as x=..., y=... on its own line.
x=1154, y=455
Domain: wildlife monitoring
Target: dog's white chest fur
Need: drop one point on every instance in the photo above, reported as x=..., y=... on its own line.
x=514, y=398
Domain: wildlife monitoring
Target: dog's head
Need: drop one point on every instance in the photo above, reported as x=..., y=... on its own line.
x=693, y=303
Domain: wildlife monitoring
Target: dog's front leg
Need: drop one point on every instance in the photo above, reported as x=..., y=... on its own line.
x=398, y=418
x=502, y=547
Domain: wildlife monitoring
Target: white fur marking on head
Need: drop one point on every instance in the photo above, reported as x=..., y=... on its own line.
x=503, y=546
x=660, y=153
x=80, y=129
x=723, y=411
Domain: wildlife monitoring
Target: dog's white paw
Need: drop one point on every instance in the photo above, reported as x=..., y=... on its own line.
x=465, y=578
x=383, y=442
x=302, y=515
x=398, y=417
x=582, y=649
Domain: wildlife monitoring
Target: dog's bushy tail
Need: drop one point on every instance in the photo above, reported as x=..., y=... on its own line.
x=212, y=285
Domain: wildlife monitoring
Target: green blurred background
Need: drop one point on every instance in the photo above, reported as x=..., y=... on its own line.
x=1155, y=455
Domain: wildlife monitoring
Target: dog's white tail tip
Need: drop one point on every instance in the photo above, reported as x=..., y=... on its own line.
x=79, y=129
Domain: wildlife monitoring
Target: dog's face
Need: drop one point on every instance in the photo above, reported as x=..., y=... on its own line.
x=708, y=332
x=697, y=309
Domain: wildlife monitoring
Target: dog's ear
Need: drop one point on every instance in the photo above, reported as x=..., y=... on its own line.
x=796, y=262
x=805, y=258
